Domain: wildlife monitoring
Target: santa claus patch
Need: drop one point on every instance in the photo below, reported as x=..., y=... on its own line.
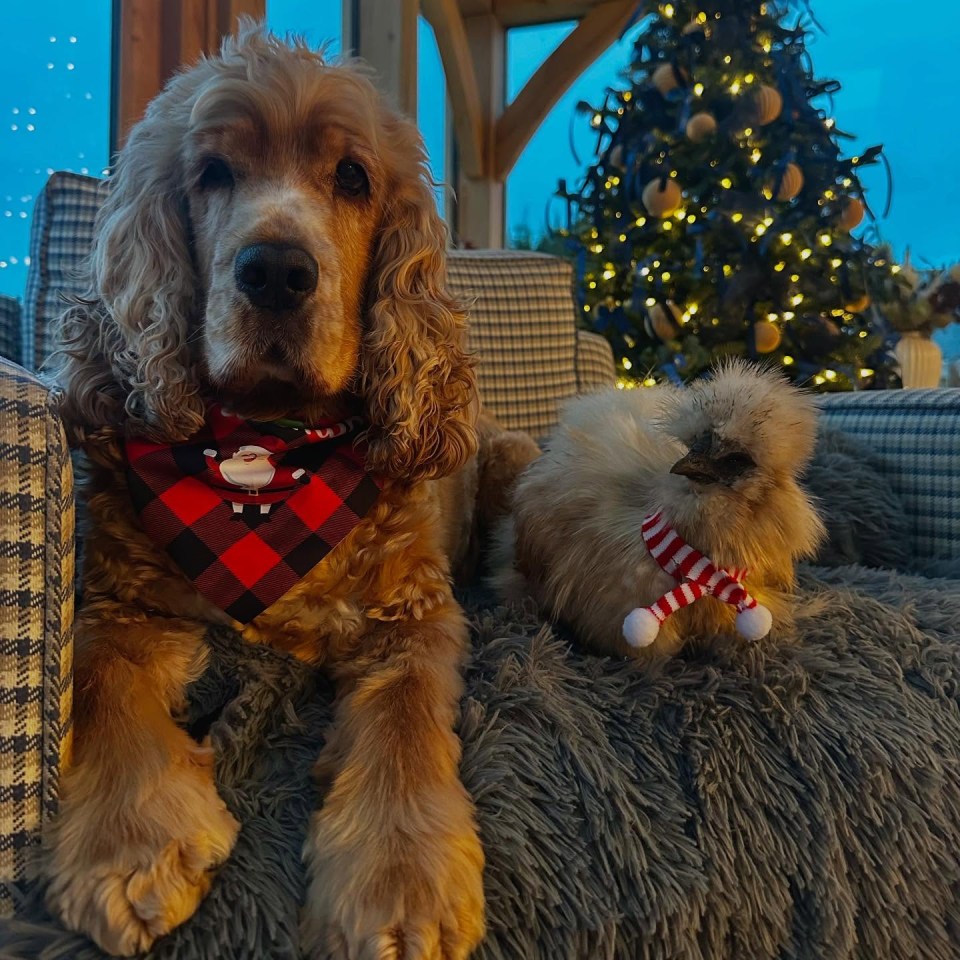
x=247, y=509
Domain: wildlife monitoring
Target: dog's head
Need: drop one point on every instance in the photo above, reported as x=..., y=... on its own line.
x=271, y=240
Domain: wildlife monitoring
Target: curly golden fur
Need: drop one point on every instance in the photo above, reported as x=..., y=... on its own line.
x=574, y=540
x=269, y=144
x=165, y=324
x=474, y=500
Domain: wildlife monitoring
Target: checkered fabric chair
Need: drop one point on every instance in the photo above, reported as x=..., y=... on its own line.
x=60, y=236
x=36, y=614
x=11, y=333
x=532, y=357
x=916, y=435
x=523, y=327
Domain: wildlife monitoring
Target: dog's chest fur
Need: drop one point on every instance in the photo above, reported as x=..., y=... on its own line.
x=388, y=568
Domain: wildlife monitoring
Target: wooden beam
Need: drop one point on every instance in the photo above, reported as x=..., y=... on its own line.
x=140, y=62
x=475, y=8
x=462, y=87
x=155, y=37
x=592, y=36
x=522, y=13
x=193, y=32
x=384, y=33
x=229, y=11
x=480, y=209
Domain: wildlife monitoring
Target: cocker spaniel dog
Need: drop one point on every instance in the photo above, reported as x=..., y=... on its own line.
x=266, y=379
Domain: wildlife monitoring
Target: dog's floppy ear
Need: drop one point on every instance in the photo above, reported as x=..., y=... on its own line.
x=417, y=379
x=125, y=355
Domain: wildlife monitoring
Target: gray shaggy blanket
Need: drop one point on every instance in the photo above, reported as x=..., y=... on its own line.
x=800, y=801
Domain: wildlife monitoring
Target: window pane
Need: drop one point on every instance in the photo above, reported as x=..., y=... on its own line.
x=432, y=103
x=528, y=47
x=54, y=111
x=911, y=113
x=548, y=156
x=319, y=21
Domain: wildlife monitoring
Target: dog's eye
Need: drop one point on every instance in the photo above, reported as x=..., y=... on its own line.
x=216, y=174
x=351, y=178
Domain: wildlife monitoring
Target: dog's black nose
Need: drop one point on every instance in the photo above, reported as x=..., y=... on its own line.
x=275, y=275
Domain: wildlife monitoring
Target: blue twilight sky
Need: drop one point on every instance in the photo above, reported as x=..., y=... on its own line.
x=897, y=73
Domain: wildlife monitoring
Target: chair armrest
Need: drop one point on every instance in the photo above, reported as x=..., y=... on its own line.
x=36, y=616
x=596, y=369
x=914, y=436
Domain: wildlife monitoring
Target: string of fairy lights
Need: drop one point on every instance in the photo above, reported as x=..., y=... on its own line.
x=718, y=215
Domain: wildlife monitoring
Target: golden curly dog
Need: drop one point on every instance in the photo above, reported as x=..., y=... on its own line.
x=268, y=147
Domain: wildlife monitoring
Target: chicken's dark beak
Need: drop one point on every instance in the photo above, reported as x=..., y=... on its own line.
x=713, y=461
x=696, y=467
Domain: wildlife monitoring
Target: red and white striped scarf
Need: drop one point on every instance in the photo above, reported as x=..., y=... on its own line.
x=684, y=563
x=697, y=577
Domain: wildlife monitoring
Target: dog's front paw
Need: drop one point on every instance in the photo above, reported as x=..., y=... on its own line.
x=127, y=876
x=397, y=895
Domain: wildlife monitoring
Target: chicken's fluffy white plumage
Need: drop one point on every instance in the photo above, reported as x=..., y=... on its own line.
x=721, y=459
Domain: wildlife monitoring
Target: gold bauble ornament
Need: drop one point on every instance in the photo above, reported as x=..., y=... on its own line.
x=769, y=104
x=662, y=199
x=694, y=26
x=615, y=159
x=665, y=320
x=858, y=305
x=791, y=183
x=766, y=336
x=666, y=77
x=853, y=211
x=701, y=126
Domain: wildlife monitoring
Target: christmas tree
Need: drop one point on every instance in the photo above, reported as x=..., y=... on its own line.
x=716, y=219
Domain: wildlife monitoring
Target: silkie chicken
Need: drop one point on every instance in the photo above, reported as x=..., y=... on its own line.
x=601, y=521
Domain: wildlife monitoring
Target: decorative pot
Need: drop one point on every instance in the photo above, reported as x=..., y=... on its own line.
x=921, y=361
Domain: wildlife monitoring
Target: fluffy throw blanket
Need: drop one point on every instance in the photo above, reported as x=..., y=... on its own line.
x=763, y=802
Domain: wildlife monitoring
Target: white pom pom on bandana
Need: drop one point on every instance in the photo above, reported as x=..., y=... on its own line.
x=697, y=577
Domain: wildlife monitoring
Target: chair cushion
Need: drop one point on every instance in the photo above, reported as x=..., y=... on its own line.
x=60, y=239
x=523, y=327
x=915, y=435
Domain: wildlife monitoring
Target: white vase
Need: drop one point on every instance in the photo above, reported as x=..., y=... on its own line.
x=921, y=361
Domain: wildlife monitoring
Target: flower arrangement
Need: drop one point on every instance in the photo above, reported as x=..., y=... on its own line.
x=924, y=300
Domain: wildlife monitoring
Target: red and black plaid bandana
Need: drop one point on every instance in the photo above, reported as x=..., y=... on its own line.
x=248, y=509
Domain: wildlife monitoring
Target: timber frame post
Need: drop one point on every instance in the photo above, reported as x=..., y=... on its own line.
x=490, y=134
x=384, y=33
x=152, y=38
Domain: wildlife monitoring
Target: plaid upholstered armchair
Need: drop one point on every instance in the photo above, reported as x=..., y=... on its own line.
x=532, y=358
